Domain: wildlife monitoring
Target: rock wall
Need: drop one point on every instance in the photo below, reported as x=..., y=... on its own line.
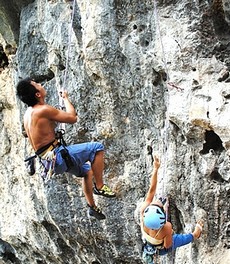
x=139, y=75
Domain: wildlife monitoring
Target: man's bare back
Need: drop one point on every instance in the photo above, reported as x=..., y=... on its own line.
x=39, y=129
x=39, y=119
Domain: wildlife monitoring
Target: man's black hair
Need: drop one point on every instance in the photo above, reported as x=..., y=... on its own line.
x=27, y=92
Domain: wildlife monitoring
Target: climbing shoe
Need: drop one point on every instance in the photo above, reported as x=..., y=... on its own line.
x=104, y=191
x=94, y=211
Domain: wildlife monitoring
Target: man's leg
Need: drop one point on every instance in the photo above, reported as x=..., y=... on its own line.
x=98, y=168
x=94, y=153
x=87, y=184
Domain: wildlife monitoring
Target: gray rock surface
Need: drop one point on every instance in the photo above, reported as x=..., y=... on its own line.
x=138, y=76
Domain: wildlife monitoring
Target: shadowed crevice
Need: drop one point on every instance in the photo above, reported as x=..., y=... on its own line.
x=212, y=142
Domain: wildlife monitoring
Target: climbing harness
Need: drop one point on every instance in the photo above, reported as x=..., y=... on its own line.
x=149, y=253
x=47, y=158
x=59, y=134
x=29, y=162
x=30, y=165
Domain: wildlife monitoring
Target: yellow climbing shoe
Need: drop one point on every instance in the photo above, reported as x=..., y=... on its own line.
x=104, y=191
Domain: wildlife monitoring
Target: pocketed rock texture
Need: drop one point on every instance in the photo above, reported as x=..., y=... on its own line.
x=139, y=75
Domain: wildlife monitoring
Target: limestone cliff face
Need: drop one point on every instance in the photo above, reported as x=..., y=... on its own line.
x=138, y=76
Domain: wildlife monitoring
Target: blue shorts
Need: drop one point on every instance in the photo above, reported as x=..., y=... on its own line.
x=82, y=156
x=179, y=240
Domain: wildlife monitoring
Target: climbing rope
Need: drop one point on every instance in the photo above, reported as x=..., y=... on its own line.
x=164, y=134
x=165, y=139
x=69, y=44
x=61, y=126
x=166, y=126
x=157, y=22
x=165, y=131
x=160, y=38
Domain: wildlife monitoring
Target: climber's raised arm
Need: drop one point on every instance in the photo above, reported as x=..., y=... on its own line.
x=153, y=184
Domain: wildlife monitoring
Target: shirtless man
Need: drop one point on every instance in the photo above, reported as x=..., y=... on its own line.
x=157, y=232
x=83, y=160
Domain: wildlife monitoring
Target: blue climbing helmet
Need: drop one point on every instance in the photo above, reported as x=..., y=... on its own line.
x=154, y=217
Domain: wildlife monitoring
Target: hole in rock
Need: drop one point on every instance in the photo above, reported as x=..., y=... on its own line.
x=215, y=176
x=228, y=195
x=7, y=252
x=175, y=216
x=67, y=250
x=51, y=229
x=175, y=126
x=96, y=77
x=44, y=77
x=212, y=141
x=146, y=43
